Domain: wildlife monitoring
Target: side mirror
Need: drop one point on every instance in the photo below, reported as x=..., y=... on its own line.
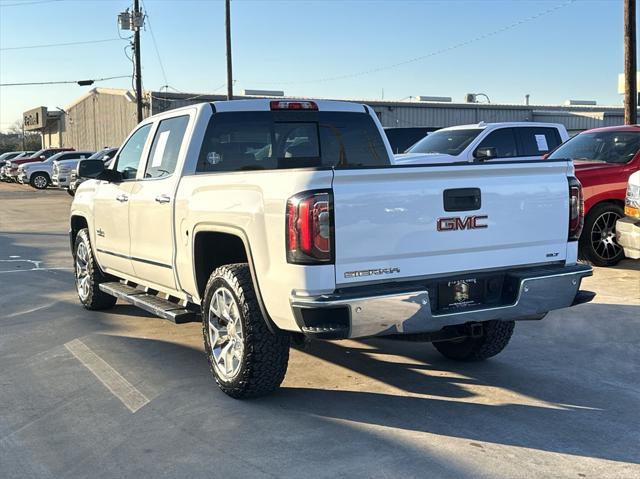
x=486, y=153
x=42, y=157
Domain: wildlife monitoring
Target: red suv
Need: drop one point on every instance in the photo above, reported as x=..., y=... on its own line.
x=604, y=158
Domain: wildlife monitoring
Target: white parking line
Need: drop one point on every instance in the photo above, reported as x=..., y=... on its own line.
x=131, y=397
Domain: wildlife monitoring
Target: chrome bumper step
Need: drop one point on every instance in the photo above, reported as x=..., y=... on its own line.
x=150, y=302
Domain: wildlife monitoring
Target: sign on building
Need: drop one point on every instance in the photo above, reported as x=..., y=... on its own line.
x=35, y=119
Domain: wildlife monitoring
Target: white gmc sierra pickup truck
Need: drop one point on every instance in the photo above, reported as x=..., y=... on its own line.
x=272, y=221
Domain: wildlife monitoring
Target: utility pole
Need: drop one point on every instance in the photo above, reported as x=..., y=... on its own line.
x=137, y=23
x=630, y=64
x=227, y=5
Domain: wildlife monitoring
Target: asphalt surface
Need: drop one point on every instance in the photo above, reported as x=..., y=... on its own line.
x=123, y=394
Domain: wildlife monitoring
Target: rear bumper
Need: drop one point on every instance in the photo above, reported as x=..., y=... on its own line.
x=628, y=236
x=396, y=311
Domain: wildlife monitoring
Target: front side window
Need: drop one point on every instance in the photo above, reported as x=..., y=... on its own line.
x=130, y=154
x=240, y=141
x=446, y=142
x=166, y=147
x=607, y=146
x=503, y=140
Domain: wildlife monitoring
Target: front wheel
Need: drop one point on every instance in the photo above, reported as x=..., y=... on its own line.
x=89, y=276
x=71, y=192
x=39, y=181
x=598, y=244
x=494, y=338
x=245, y=357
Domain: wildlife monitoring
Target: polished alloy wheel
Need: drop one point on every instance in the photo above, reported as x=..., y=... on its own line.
x=603, y=236
x=40, y=182
x=225, y=334
x=82, y=271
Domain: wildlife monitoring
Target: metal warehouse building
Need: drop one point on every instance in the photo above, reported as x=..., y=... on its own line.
x=104, y=116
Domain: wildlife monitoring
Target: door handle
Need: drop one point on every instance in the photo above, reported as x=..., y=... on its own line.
x=163, y=199
x=122, y=198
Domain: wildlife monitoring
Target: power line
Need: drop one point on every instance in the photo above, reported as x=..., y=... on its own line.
x=155, y=45
x=455, y=46
x=80, y=82
x=19, y=4
x=48, y=45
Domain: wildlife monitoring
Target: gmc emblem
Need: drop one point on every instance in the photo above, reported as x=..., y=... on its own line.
x=466, y=223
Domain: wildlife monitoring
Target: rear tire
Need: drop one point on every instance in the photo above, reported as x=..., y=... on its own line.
x=39, y=181
x=494, y=338
x=598, y=245
x=89, y=276
x=246, y=358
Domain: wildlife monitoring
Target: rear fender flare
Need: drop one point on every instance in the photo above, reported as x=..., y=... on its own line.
x=242, y=235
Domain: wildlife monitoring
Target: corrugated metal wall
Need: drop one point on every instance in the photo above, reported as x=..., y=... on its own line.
x=97, y=121
x=442, y=116
x=105, y=117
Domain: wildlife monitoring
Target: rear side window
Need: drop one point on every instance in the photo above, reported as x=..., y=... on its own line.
x=536, y=141
x=244, y=141
x=166, y=146
x=503, y=140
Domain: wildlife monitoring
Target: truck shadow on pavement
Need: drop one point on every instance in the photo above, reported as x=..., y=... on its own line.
x=547, y=407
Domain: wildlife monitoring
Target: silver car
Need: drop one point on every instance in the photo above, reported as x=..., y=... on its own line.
x=38, y=174
x=62, y=169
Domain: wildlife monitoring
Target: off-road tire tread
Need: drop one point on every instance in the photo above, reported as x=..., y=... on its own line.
x=496, y=336
x=97, y=299
x=266, y=354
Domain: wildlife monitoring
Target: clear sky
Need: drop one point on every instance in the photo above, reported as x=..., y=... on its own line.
x=324, y=48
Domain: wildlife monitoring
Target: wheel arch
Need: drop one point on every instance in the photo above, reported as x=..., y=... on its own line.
x=218, y=245
x=76, y=223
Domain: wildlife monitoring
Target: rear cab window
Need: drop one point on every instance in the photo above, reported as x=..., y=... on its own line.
x=269, y=140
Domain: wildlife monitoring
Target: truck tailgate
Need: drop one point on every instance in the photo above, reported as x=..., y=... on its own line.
x=391, y=223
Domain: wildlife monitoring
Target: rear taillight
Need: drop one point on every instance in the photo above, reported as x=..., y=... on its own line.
x=576, y=209
x=293, y=105
x=310, y=228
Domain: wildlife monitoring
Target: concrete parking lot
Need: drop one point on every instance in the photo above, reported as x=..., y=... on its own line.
x=562, y=400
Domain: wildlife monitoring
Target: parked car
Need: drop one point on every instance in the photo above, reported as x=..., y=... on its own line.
x=604, y=159
x=628, y=228
x=61, y=168
x=402, y=138
x=486, y=141
x=66, y=173
x=38, y=174
x=11, y=167
x=11, y=155
x=5, y=158
x=279, y=220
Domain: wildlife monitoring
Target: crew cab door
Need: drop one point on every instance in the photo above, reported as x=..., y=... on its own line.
x=151, y=205
x=111, y=207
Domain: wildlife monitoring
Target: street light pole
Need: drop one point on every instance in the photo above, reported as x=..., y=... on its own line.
x=136, y=47
x=229, y=66
x=630, y=64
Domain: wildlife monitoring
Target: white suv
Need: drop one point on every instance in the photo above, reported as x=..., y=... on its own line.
x=511, y=141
